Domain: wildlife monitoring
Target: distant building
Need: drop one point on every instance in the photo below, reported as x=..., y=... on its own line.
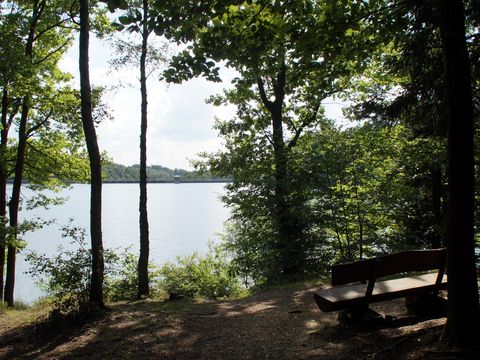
x=176, y=179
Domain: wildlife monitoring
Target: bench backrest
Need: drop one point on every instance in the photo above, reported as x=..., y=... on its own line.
x=405, y=261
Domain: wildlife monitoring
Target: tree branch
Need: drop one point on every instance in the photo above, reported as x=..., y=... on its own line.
x=39, y=125
x=14, y=112
x=261, y=88
x=268, y=136
x=30, y=145
x=306, y=123
x=52, y=52
x=48, y=28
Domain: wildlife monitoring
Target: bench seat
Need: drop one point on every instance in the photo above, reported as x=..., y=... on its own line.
x=348, y=296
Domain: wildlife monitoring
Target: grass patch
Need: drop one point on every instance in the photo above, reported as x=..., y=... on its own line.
x=21, y=314
x=19, y=305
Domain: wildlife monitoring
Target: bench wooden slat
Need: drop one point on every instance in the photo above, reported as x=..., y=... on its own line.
x=413, y=260
x=368, y=287
x=352, y=272
x=341, y=297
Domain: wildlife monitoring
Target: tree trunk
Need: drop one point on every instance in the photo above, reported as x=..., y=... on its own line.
x=462, y=327
x=3, y=188
x=439, y=220
x=143, y=287
x=287, y=223
x=14, y=205
x=282, y=211
x=96, y=291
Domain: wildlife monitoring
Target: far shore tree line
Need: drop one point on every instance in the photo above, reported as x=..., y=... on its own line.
x=305, y=192
x=118, y=172
x=113, y=172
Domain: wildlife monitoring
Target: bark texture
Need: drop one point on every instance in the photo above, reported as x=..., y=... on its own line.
x=3, y=188
x=288, y=226
x=143, y=286
x=96, y=291
x=463, y=305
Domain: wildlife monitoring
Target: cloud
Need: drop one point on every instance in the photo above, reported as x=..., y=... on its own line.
x=187, y=117
x=180, y=122
x=177, y=154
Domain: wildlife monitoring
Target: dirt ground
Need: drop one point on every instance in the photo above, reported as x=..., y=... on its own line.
x=280, y=323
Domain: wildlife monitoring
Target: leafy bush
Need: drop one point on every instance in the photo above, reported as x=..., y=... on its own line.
x=65, y=277
x=212, y=276
x=251, y=245
x=122, y=281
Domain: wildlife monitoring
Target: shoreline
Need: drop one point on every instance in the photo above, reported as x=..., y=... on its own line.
x=161, y=181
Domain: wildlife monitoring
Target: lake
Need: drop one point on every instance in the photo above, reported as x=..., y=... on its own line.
x=183, y=218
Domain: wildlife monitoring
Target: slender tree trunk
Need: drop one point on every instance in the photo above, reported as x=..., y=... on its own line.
x=438, y=234
x=143, y=287
x=283, y=216
x=287, y=223
x=360, y=216
x=462, y=327
x=6, y=123
x=3, y=188
x=96, y=291
x=350, y=257
x=14, y=205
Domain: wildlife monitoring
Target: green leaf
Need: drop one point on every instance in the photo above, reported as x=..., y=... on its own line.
x=126, y=19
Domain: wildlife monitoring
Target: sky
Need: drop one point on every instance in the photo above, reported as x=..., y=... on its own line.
x=179, y=120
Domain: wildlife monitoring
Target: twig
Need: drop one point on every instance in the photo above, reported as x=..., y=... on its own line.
x=392, y=346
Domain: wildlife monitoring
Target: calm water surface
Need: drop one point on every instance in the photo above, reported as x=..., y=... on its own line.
x=183, y=218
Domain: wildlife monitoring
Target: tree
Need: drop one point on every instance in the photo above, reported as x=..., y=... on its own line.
x=422, y=106
x=463, y=302
x=289, y=56
x=355, y=188
x=37, y=10
x=11, y=56
x=49, y=151
x=138, y=19
x=96, y=286
x=38, y=24
x=404, y=85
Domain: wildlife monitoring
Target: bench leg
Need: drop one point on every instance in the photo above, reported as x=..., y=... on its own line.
x=361, y=316
x=426, y=305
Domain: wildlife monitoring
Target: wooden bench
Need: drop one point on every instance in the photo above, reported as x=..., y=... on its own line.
x=356, y=285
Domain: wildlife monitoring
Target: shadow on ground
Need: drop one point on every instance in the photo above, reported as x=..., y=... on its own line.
x=275, y=324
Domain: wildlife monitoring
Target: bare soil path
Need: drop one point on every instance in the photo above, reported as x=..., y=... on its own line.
x=279, y=323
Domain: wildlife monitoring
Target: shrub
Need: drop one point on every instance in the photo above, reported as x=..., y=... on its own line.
x=65, y=277
x=121, y=283
x=212, y=276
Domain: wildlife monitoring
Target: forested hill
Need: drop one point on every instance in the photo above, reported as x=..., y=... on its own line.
x=118, y=172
